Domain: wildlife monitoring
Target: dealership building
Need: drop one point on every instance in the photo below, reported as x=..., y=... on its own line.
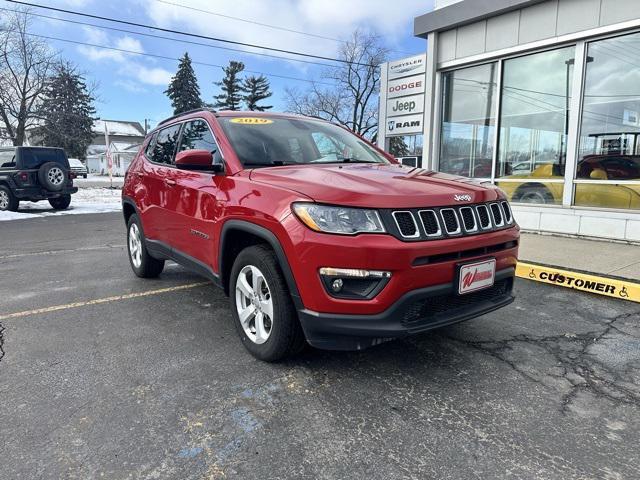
x=540, y=97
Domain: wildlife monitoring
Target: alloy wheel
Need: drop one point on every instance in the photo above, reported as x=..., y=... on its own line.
x=4, y=200
x=56, y=176
x=135, y=245
x=254, y=304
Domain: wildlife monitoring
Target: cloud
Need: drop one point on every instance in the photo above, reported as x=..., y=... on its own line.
x=132, y=68
x=328, y=18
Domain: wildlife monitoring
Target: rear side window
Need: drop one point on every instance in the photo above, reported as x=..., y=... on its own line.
x=32, y=158
x=197, y=135
x=165, y=145
x=7, y=159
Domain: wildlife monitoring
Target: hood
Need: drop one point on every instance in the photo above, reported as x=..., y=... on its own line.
x=376, y=186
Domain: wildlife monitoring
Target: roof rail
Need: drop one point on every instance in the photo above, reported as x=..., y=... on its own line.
x=201, y=109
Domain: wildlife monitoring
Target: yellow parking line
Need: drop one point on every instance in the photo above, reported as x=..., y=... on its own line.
x=610, y=287
x=98, y=301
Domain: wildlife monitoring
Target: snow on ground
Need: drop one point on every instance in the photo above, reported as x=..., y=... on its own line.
x=94, y=178
x=87, y=200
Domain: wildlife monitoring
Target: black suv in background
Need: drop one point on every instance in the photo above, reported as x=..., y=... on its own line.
x=33, y=174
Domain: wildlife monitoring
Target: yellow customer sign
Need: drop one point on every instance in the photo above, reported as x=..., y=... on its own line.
x=611, y=287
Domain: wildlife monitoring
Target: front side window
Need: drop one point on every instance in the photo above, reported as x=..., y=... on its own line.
x=468, y=121
x=271, y=141
x=164, y=148
x=609, y=144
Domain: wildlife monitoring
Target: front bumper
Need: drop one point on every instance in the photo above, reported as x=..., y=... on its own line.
x=417, y=311
x=37, y=193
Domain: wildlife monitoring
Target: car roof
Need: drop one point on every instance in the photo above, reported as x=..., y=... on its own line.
x=229, y=113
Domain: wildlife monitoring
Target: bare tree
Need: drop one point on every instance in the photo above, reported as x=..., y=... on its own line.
x=25, y=65
x=353, y=102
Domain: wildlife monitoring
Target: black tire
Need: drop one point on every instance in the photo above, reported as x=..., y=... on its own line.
x=52, y=176
x=533, y=193
x=148, y=266
x=8, y=201
x=286, y=337
x=60, y=203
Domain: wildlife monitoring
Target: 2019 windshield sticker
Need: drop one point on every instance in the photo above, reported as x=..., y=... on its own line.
x=251, y=121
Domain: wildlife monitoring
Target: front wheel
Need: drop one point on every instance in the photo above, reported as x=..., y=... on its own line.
x=60, y=203
x=264, y=314
x=8, y=202
x=142, y=264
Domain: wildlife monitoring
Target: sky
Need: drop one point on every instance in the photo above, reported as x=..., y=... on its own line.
x=130, y=87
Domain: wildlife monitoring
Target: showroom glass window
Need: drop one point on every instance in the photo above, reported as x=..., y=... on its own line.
x=608, y=164
x=534, y=123
x=468, y=121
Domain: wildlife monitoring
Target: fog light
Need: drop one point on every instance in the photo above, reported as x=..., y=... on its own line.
x=353, y=283
x=354, y=273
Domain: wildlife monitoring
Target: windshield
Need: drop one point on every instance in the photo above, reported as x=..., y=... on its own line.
x=271, y=141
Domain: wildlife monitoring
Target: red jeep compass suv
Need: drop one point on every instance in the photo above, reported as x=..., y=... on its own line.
x=315, y=234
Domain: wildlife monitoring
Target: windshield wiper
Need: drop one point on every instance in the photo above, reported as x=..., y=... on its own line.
x=355, y=160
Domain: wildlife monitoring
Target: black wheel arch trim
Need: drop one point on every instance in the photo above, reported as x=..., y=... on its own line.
x=129, y=201
x=272, y=240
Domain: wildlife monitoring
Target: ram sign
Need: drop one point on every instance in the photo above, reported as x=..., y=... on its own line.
x=408, y=125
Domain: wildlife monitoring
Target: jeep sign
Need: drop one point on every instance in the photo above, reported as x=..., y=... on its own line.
x=405, y=86
x=407, y=66
x=405, y=105
x=404, y=125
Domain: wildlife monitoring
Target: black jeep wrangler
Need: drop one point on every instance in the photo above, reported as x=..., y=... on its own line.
x=33, y=174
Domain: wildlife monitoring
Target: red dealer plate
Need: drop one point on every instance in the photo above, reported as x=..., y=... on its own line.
x=476, y=276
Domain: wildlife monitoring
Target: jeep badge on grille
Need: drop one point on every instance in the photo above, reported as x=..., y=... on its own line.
x=462, y=198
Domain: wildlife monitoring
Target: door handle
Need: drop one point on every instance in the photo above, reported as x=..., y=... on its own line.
x=169, y=182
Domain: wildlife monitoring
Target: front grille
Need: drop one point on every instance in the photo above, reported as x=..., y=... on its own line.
x=434, y=309
x=496, y=212
x=483, y=215
x=406, y=224
x=430, y=223
x=468, y=219
x=508, y=217
x=450, y=220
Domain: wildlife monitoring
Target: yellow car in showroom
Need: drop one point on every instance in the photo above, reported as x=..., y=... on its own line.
x=592, y=167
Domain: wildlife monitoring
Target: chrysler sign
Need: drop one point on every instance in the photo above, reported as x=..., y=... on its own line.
x=407, y=125
x=407, y=66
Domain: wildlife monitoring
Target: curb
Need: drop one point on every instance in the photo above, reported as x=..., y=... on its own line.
x=613, y=287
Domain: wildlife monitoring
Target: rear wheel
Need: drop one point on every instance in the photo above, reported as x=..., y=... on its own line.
x=60, y=203
x=8, y=202
x=533, y=194
x=142, y=264
x=261, y=305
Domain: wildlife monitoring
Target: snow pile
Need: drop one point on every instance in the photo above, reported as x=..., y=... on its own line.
x=87, y=200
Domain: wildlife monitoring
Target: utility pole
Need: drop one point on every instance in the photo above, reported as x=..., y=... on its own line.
x=146, y=126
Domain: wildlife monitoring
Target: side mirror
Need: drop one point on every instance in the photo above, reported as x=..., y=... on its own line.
x=197, y=160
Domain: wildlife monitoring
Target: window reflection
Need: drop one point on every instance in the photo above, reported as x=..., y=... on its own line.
x=609, y=148
x=468, y=121
x=534, y=121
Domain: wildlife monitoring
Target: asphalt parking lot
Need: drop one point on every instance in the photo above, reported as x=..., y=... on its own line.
x=157, y=385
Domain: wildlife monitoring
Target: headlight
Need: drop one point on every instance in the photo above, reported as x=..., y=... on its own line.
x=344, y=220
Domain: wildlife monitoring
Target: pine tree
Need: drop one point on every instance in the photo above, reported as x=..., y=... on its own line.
x=231, y=86
x=256, y=89
x=67, y=112
x=183, y=90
